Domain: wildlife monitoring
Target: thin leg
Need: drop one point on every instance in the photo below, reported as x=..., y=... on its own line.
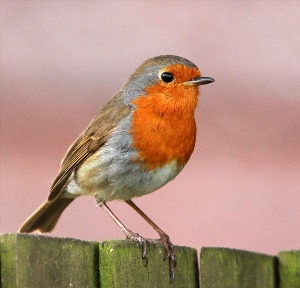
x=164, y=239
x=160, y=232
x=129, y=234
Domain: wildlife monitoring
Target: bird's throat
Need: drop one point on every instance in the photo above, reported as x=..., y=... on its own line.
x=163, y=131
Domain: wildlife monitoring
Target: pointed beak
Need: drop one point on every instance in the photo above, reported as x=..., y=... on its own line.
x=199, y=81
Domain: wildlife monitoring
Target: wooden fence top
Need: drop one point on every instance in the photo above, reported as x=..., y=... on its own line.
x=42, y=261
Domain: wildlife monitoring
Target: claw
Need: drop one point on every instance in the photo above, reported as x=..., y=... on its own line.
x=170, y=254
x=172, y=265
x=144, y=251
x=142, y=242
x=165, y=241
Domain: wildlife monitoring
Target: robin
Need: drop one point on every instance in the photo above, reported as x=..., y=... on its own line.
x=139, y=141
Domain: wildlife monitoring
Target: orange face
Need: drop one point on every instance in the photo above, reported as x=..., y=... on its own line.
x=163, y=123
x=181, y=73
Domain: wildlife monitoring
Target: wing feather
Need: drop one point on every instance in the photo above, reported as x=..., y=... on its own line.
x=92, y=138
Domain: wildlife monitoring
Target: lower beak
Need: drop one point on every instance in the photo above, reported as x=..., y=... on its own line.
x=199, y=81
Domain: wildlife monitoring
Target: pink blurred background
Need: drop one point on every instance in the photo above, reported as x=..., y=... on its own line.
x=62, y=60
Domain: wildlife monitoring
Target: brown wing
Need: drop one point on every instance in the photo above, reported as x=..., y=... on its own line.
x=90, y=141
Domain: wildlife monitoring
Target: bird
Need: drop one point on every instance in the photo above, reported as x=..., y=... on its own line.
x=138, y=141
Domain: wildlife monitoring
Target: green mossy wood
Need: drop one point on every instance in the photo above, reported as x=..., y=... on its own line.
x=289, y=269
x=34, y=261
x=229, y=268
x=121, y=265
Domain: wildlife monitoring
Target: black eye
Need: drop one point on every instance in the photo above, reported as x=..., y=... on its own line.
x=167, y=77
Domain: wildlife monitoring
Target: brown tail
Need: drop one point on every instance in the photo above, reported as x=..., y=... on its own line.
x=46, y=216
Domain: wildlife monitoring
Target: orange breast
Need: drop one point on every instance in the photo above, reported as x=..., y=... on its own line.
x=163, y=125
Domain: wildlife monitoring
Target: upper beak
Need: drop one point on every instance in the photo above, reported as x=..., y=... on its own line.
x=199, y=81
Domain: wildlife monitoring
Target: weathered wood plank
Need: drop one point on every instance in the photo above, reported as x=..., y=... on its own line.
x=34, y=261
x=229, y=268
x=121, y=265
x=289, y=269
x=40, y=261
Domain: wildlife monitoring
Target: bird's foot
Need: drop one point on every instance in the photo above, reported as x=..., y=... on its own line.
x=164, y=240
x=141, y=241
x=170, y=253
